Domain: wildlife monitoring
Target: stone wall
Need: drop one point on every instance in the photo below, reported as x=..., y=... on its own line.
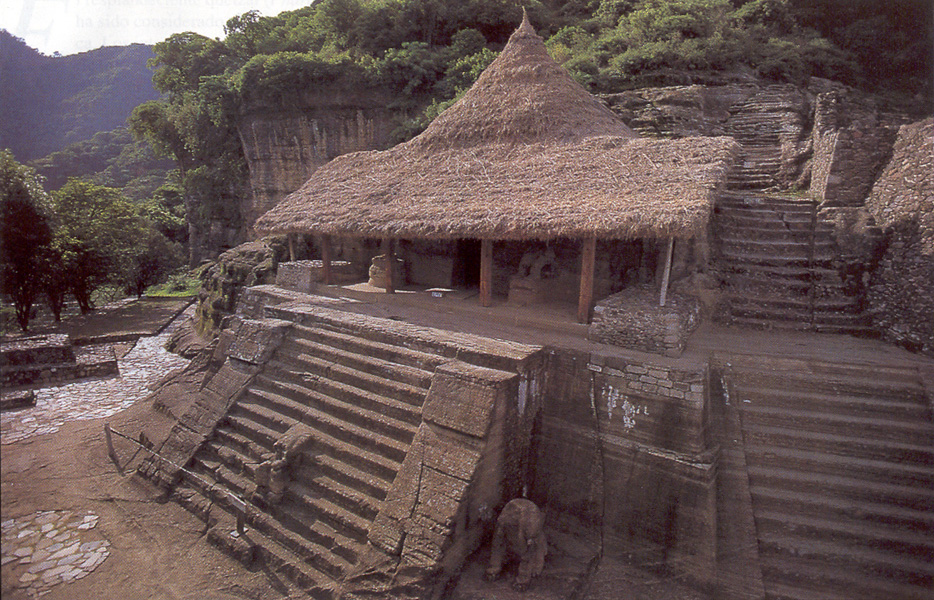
x=633, y=319
x=284, y=146
x=901, y=293
x=623, y=446
x=852, y=141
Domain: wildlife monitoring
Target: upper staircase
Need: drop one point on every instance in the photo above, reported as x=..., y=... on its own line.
x=841, y=473
x=776, y=258
x=756, y=124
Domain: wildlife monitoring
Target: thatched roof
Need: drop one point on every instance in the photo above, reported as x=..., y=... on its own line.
x=526, y=153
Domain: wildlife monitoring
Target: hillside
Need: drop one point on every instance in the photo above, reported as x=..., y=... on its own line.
x=49, y=102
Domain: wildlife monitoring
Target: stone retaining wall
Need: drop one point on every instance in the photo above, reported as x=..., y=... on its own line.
x=623, y=446
x=901, y=292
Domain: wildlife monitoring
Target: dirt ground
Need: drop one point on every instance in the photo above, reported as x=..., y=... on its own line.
x=157, y=548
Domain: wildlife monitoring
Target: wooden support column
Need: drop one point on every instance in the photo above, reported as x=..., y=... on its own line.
x=291, y=238
x=486, y=272
x=326, y=259
x=588, y=257
x=390, y=265
x=664, y=291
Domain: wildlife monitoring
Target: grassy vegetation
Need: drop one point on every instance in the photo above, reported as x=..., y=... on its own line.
x=179, y=285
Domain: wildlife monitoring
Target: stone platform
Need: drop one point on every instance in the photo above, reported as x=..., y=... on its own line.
x=51, y=359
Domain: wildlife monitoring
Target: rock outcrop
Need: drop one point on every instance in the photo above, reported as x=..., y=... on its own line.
x=284, y=145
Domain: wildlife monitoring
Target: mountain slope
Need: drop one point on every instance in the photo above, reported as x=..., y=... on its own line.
x=48, y=102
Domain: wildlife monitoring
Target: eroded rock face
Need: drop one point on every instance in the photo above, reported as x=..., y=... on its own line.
x=284, y=146
x=252, y=263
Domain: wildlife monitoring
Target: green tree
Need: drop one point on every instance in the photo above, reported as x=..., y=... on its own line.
x=152, y=259
x=24, y=232
x=97, y=231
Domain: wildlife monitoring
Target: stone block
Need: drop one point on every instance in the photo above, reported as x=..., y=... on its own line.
x=462, y=396
x=632, y=319
x=255, y=341
x=296, y=275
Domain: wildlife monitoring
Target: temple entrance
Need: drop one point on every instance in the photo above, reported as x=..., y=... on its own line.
x=466, y=272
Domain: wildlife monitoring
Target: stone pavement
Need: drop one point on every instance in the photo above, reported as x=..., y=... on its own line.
x=145, y=364
x=51, y=547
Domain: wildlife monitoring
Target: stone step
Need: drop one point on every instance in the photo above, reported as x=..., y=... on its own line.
x=912, y=408
x=258, y=404
x=311, y=543
x=794, y=578
x=855, y=535
x=802, y=249
x=274, y=556
x=313, y=373
x=243, y=445
x=399, y=372
x=802, y=212
x=791, y=289
x=376, y=465
x=894, y=429
x=320, y=485
x=823, y=307
x=861, y=331
x=360, y=345
x=438, y=346
x=233, y=457
x=748, y=221
x=877, y=383
x=823, y=260
x=821, y=322
x=352, y=477
x=779, y=551
x=385, y=415
x=788, y=273
x=337, y=517
x=890, y=520
x=836, y=443
x=303, y=522
x=844, y=487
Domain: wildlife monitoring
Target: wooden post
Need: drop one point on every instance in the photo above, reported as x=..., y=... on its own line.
x=667, y=273
x=291, y=238
x=588, y=257
x=390, y=265
x=486, y=272
x=110, y=444
x=326, y=259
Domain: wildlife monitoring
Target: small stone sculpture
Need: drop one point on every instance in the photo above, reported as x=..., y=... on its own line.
x=273, y=474
x=519, y=532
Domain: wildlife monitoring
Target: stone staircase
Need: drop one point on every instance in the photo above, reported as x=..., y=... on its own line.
x=841, y=473
x=757, y=125
x=775, y=257
x=362, y=400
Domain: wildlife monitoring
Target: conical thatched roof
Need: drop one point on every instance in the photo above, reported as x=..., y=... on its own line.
x=526, y=153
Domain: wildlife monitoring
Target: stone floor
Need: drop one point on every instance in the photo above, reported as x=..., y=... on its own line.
x=48, y=548
x=146, y=363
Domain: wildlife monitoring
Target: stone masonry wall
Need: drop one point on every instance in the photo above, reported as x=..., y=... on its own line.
x=852, y=141
x=901, y=293
x=624, y=447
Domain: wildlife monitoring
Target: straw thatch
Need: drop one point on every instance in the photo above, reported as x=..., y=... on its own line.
x=526, y=153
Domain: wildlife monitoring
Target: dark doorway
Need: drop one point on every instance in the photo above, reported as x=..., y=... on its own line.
x=466, y=264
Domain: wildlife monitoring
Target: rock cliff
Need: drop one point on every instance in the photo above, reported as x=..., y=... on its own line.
x=284, y=145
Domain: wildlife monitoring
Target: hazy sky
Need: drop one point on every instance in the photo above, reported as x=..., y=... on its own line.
x=70, y=26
